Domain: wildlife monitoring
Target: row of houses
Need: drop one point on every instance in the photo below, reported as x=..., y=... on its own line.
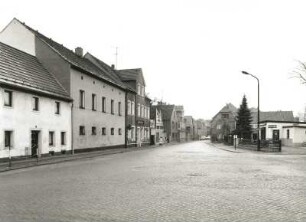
x=274, y=125
x=169, y=124
x=56, y=100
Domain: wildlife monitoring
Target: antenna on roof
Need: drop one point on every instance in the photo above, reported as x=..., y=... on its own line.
x=116, y=57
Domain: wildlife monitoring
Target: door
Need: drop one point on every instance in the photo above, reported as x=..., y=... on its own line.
x=275, y=134
x=34, y=142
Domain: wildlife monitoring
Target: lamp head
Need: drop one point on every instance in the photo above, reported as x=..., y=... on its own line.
x=245, y=73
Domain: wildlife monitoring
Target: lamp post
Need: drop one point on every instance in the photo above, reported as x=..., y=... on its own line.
x=258, y=112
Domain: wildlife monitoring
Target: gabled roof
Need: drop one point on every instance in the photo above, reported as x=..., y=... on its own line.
x=273, y=116
x=23, y=70
x=131, y=74
x=166, y=111
x=228, y=108
x=74, y=59
x=108, y=70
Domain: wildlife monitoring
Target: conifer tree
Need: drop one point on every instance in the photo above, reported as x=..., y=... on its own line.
x=244, y=120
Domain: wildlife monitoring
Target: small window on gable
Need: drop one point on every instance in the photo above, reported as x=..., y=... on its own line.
x=57, y=107
x=8, y=98
x=35, y=104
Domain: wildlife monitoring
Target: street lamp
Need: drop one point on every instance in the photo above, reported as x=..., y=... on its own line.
x=258, y=112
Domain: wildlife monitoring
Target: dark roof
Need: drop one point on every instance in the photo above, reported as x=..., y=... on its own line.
x=131, y=74
x=74, y=59
x=24, y=70
x=273, y=116
x=166, y=111
x=108, y=70
x=228, y=108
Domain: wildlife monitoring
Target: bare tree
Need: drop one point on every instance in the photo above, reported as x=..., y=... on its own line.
x=300, y=72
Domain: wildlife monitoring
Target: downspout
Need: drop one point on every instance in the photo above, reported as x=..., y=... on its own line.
x=71, y=131
x=125, y=122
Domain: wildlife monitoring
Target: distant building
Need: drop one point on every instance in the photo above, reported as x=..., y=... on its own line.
x=157, y=130
x=179, y=111
x=134, y=79
x=280, y=125
x=170, y=121
x=223, y=123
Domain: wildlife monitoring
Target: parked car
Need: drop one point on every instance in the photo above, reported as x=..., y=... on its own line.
x=205, y=138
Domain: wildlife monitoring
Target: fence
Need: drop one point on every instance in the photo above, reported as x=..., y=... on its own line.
x=265, y=145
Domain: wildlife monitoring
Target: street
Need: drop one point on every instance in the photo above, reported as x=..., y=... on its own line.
x=193, y=181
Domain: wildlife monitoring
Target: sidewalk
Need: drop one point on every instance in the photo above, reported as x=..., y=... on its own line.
x=31, y=162
x=285, y=150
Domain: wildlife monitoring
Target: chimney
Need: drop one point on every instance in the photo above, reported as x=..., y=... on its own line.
x=113, y=66
x=79, y=51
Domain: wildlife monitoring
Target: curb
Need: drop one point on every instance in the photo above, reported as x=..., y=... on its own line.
x=80, y=156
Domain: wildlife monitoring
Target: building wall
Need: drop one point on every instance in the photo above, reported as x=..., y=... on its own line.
x=54, y=63
x=131, y=120
x=21, y=119
x=19, y=37
x=89, y=118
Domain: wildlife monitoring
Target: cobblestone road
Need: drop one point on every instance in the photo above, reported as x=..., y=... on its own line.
x=185, y=182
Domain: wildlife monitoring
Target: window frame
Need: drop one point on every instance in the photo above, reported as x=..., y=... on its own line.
x=94, y=102
x=51, y=138
x=10, y=139
x=82, y=131
x=82, y=99
x=57, y=107
x=35, y=104
x=112, y=131
x=63, y=138
x=112, y=107
x=10, y=98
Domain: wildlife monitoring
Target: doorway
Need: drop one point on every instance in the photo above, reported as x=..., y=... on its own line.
x=34, y=142
x=275, y=134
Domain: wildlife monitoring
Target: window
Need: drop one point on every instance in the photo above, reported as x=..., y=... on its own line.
x=57, y=107
x=103, y=104
x=119, y=108
x=8, y=139
x=119, y=131
x=138, y=109
x=35, y=103
x=225, y=115
x=288, y=134
x=103, y=131
x=93, y=102
x=82, y=99
x=51, y=138
x=112, y=106
x=138, y=89
x=129, y=111
x=82, y=130
x=63, y=138
x=93, y=130
x=112, y=131
x=133, y=108
x=8, y=98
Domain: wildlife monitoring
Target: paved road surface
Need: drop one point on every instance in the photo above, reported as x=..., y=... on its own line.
x=186, y=182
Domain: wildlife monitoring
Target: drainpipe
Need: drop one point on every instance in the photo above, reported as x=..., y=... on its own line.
x=71, y=130
x=125, y=121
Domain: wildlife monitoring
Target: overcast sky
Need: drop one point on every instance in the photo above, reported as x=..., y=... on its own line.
x=191, y=51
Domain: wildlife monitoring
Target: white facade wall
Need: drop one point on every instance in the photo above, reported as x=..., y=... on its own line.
x=89, y=118
x=21, y=119
x=299, y=135
x=11, y=36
